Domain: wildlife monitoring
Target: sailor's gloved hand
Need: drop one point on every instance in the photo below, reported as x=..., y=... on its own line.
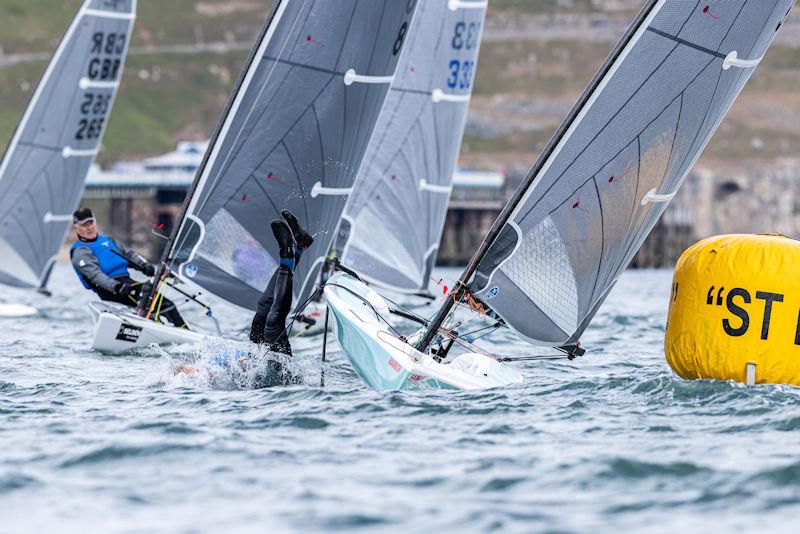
x=148, y=269
x=124, y=289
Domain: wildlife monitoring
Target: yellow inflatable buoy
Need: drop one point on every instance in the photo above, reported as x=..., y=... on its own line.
x=734, y=311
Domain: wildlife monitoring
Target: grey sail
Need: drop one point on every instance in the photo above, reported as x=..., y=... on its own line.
x=55, y=143
x=395, y=216
x=293, y=136
x=611, y=169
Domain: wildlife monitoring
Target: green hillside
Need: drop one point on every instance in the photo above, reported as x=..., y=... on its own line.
x=529, y=73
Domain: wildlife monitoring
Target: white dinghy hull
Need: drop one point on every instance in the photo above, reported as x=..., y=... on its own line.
x=384, y=361
x=15, y=311
x=118, y=330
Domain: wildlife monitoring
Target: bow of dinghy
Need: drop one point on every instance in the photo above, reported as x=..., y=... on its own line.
x=385, y=360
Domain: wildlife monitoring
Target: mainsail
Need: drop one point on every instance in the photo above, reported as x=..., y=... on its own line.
x=608, y=174
x=55, y=144
x=293, y=136
x=394, y=219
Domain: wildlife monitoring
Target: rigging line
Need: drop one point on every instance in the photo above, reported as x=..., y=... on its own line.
x=405, y=310
x=365, y=301
x=299, y=312
x=532, y=358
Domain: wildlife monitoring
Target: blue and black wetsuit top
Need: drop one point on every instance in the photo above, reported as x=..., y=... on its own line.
x=108, y=255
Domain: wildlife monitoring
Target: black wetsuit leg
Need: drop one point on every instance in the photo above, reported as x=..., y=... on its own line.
x=264, y=305
x=269, y=322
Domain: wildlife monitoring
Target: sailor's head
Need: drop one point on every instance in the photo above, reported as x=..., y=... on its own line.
x=84, y=222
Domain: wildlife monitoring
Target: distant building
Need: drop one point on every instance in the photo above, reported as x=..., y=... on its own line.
x=186, y=158
x=138, y=201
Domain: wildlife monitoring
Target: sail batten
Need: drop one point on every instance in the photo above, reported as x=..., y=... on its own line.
x=44, y=168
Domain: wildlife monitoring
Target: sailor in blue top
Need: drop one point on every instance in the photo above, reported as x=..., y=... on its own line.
x=269, y=322
x=102, y=266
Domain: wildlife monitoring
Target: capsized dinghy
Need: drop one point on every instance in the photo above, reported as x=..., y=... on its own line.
x=385, y=361
x=604, y=179
x=292, y=136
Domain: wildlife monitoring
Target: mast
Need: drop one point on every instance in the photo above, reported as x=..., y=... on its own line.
x=499, y=223
x=162, y=268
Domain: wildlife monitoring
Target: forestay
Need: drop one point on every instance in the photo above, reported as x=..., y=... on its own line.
x=395, y=217
x=609, y=172
x=55, y=144
x=293, y=136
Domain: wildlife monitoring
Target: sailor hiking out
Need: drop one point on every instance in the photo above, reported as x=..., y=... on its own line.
x=102, y=266
x=269, y=322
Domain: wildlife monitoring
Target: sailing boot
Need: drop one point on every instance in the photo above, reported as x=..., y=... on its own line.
x=286, y=243
x=303, y=238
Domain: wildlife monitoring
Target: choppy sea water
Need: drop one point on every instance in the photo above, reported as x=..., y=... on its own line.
x=613, y=441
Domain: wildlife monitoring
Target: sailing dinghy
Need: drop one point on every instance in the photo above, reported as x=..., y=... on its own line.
x=587, y=204
x=292, y=136
x=43, y=171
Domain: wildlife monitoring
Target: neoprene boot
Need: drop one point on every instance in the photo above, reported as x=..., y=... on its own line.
x=303, y=238
x=283, y=235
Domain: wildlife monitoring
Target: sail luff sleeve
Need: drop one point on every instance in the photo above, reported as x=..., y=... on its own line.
x=293, y=139
x=593, y=198
x=43, y=171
